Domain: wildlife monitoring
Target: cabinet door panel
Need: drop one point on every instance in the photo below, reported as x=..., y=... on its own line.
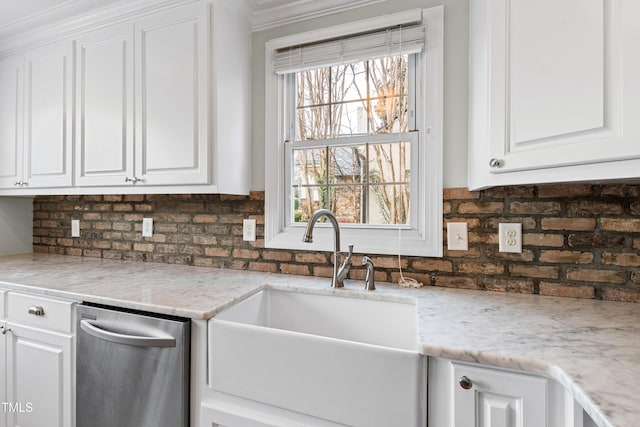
x=555, y=56
x=48, y=111
x=104, y=121
x=39, y=377
x=10, y=122
x=172, y=97
x=499, y=398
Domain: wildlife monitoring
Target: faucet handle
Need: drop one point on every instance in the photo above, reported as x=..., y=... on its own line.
x=370, y=284
x=350, y=253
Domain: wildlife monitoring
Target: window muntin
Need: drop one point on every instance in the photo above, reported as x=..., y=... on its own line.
x=350, y=151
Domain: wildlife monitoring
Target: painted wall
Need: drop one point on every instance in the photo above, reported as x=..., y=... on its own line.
x=456, y=69
x=16, y=225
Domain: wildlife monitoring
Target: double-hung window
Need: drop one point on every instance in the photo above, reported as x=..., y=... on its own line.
x=353, y=125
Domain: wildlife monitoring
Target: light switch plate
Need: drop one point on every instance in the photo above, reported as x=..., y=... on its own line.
x=75, y=228
x=510, y=237
x=249, y=230
x=457, y=236
x=147, y=227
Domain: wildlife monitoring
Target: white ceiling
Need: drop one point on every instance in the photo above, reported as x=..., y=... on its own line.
x=25, y=15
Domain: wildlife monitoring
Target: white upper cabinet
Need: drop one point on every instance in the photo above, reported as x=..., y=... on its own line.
x=11, y=73
x=35, y=118
x=48, y=133
x=168, y=141
x=554, y=91
x=134, y=106
x=172, y=97
x=104, y=106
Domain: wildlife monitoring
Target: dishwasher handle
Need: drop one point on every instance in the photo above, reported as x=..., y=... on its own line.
x=137, y=340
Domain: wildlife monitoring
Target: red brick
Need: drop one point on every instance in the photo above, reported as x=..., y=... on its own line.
x=480, y=207
x=572, y=224
x=538, y=271
x=565, y=190
x=277, y=255
x=621, y=294
x=311, y=257
x=425, y=264
x=521, y=286
x=480, y=268
x=566, y=257
x=621, y=259
x=295, y=269
x=459, y=193
x=456, y=282
x=265, y=267
x=246, y=253
x=594, y=275
x=533, y=208
x=562, y=290
x=622, y=225
x=543, y=239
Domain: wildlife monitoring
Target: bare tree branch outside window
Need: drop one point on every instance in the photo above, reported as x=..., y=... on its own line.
x=365, y=182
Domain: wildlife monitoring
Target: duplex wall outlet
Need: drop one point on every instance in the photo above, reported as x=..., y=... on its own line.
x=510, y=237
x=147, y=227
x=249, y=230
x=457, y=236
x=75, y=228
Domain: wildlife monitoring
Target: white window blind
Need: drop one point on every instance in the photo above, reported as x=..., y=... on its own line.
x=387, y=42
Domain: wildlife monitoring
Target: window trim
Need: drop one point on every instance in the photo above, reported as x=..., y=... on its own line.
x=423, y=240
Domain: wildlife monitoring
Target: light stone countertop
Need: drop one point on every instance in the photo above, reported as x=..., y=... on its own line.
x=591, y=347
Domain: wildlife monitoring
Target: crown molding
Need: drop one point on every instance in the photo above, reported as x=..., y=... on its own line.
x=91, y=19
x=302, y=10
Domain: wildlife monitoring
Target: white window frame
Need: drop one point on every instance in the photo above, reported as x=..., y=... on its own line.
x=424, y=237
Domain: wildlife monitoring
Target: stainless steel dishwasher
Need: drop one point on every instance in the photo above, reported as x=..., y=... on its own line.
x=132, y=368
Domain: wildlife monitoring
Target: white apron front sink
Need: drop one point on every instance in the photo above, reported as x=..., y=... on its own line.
x=343, y=359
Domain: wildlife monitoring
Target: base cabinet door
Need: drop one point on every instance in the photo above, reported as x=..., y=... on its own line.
x=491, y=398
x=39, y=377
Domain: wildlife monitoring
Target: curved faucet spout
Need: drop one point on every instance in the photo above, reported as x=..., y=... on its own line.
x=336, y=282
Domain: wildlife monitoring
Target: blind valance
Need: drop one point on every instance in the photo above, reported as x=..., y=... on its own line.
x=376, y=44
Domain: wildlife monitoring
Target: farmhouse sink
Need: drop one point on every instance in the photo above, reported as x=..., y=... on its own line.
x=342, y=359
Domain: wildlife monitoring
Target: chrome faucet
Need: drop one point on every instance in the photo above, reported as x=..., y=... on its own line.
x=369, y=281
x=338, y=274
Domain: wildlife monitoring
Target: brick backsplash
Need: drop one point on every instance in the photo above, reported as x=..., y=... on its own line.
x=579, y=240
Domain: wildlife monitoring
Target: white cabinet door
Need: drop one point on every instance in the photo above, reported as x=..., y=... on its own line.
x=104, y=106
x=48, y=134
x=554, y=90
x=493, y=398
x=11, y=98
x=39, y=377
x=172, y=97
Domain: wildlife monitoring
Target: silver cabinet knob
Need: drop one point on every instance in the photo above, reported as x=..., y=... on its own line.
x=496, y=163
x=5, y=330
x=133, y=180
x=36, y=310
x=465, y=382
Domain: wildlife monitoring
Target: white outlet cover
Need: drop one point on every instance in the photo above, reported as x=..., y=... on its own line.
x=510, y=237
x=249, y=230
x=147, y=227
x=75, y=228
x=457, y=236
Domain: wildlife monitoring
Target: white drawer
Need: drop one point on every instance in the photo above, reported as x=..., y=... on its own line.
x=56, y=314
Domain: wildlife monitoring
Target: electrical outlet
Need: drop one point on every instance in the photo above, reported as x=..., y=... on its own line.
x=457, y=236
x=75, y=228
x=147, y=227
x=510, y=237
x=249, y=230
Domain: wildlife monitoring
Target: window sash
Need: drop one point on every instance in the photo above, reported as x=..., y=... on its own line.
x=413, y=138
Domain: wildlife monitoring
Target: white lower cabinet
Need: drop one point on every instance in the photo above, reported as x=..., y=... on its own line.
x=36, y=358
x=469, y=395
